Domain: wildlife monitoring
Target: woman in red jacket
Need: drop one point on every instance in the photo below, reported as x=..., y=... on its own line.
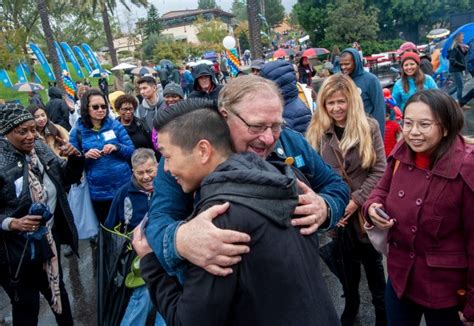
x=428, y=193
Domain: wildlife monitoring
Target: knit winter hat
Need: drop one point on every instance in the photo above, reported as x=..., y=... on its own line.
x=407, y=46
x=173, y=89
x=411, y=55
x=11, y=116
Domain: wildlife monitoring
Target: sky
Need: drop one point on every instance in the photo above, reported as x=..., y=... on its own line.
x=163, y=6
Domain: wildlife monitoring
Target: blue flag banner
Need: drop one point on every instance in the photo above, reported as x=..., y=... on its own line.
x=72, y=58
x=27, y=70
x=20, y=73
x=5, y=79
x=42, y=60
x=62, y=61
x=92, y=57
x=83, y=58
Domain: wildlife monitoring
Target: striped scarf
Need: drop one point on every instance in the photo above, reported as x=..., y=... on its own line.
x=39, y=195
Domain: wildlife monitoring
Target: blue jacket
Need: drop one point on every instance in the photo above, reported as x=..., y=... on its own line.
x=108, y=173
x=296, y=114
x=371, y=89
x=170, y=205
x=139, y=201
x=401, y=97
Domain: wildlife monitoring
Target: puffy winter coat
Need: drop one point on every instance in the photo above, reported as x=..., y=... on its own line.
x=296, y=114
x=108, y=173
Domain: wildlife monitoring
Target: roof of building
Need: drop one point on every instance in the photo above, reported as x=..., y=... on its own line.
x=188, y=12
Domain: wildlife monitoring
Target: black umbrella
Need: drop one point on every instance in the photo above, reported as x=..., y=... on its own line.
x=115, y=258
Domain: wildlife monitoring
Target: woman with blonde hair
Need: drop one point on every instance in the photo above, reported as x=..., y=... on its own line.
x=351, y=143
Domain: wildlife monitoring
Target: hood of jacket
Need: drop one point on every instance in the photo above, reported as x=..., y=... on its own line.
x=283, y=74
x=247, y=180
x=55, y=92
x=358, y=65
x=202, y=70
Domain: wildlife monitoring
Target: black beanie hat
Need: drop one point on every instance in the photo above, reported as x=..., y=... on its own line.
x=11, y=116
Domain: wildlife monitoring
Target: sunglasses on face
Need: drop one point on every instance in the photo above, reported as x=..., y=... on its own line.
x=96, y=107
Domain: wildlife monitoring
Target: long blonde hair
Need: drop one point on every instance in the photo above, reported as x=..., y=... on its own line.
x=357, y=130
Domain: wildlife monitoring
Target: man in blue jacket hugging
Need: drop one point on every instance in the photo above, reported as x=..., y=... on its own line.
x=279, y=281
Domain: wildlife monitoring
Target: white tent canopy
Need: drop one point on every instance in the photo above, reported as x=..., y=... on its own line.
x=123, y=66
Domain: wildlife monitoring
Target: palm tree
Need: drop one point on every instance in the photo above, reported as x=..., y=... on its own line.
x=106, y=6
x=253, y=10
x=48, y=34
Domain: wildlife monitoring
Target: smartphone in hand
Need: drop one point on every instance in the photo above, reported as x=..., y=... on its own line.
x=381, y=213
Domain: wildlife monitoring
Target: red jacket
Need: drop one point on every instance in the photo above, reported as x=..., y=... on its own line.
x=431, y=246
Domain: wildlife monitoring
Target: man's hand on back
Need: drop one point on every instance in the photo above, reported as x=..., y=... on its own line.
x=203, y=244
x=312, y=208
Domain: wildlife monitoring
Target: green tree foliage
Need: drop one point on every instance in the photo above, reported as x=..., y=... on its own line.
x=207, y=4
x=312, y=16
x=351, y=22
x=242, y=33
x=177, y=51
x=274, y=12
x=239, y=10
x=10, y=49
x=212, y=31
x=152, y=24
x=148, y=46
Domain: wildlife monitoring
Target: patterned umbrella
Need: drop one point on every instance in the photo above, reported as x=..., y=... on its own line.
x=143, y=70
x=27, y=87
x=283, y=53
x=437, y=33
x=98, y=72
x=313, y=52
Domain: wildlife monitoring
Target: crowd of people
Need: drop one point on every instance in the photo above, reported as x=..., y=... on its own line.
x=224, y=188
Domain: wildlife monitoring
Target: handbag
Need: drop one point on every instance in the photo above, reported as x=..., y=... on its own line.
x=360, y=216
x=378, y=237
x=81, y=206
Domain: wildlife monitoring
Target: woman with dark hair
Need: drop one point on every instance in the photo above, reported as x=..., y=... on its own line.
x=52, y=134
x=427, y=193
x=305, y=72
x=107, y=149
x=136, y=128
x=35, y=217
x=413, y=79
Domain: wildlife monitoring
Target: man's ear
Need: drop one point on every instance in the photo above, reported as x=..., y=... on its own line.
x=204, y=150
x=224, y=113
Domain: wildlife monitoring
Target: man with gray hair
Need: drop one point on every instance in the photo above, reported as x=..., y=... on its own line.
x=129, y=207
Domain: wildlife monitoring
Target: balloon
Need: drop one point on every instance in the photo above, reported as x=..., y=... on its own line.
x=229, y=42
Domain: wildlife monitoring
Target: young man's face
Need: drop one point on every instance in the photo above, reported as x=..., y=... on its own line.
x=147, y=91
x=204, y=82
x=347, y=63
x=184, y=167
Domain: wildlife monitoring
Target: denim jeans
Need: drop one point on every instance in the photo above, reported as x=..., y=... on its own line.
x=403, y=312
x=138, y=309
x=459, y=83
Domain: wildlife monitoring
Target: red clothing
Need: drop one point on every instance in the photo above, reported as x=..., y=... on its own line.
x=392, y=128
x=422, y=161
x=431, y=246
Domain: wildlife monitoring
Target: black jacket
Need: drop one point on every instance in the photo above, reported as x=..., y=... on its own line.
x=456, y=60
x=278, y=282
x=57, y=109
x=13, y=166
x=205, y=70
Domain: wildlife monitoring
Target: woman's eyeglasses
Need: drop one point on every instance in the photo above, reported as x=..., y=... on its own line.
x=95, y=107
x=423, y=126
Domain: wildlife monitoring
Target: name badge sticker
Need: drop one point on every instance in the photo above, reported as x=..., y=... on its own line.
x=299, y=161
x=108, y=135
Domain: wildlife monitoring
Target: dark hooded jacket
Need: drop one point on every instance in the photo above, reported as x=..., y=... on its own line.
x=205, y=70
x=370, y=87
x=277, y=283
x=57, y=109
x=296, y=114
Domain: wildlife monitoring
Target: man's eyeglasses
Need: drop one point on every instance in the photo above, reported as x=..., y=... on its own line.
x=95, y=107
x=260, y=129
x=423, y=126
